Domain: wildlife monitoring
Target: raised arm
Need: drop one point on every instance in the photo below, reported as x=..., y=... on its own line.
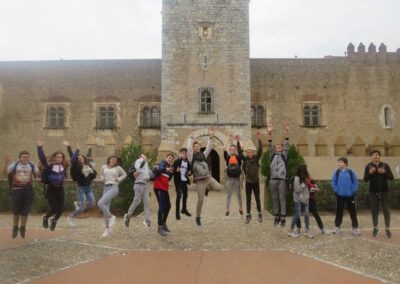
x=259, y=149
x=286, y=143
x=209, y=146
x=270, y=146
x=190, y=147
x=239, y=147
x=41, y=154
x=69, y=148
x=89, y=152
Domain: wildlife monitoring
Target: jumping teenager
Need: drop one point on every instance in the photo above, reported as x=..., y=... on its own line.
x=182, y=170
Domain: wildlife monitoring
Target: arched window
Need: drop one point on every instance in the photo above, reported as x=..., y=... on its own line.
x=205, y=101
x=106, y=117
x=55, y=117
x=146, y=117
x=387, y=116
x=311, y=115
x=155, y=117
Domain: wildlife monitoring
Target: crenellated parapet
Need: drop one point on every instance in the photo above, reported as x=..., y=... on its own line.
x=371, y=55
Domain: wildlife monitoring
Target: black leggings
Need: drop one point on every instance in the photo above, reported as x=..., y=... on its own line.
x=55, y=197
x=164, y=205
x=253, y=187
x=181, y=192
x=312, y=208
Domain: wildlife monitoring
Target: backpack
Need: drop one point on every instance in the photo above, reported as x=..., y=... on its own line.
x=350, y=172
x=44, y=175
x=13, y=171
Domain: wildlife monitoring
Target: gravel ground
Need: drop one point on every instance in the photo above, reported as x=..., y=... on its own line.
x=84, y=243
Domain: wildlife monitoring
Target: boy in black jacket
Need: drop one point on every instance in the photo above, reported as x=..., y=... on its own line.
x=378, y=174
x=182, y=171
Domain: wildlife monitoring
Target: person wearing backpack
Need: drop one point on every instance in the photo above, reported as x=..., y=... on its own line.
x=83, y=174
x=53, y=175
x=182, y=171
x=301, y=196
x=111, y=174
x=345, y=186
x=162, y=175
x=141, y=174
x=20, y=176
x=233, y=161
x=377, y=174
x=251, y=169
x=277, y=179
x=201, y=172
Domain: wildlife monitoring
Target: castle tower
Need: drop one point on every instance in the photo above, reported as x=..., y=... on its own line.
x=205, y=70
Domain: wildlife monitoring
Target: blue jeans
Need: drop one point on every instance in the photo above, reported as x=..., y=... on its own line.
x=298, y=208
x=86, y=198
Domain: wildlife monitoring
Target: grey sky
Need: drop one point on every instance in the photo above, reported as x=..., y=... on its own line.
x=104, y=29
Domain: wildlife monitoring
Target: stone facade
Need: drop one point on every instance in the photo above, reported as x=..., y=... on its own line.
x=335, y=105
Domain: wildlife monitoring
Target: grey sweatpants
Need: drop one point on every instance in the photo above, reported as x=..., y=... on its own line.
x=201, y=186
x=109, y=193
x=278, y=190
x=233, y=184
x=141, y=193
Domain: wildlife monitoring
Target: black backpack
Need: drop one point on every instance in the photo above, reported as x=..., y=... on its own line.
x=12, y=173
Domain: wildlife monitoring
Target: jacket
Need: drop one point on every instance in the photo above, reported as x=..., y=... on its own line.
x=77, y=174
x=344, y=185
x=378, y=182
x=301, y=192
x=251, y=167
x=177, y=175
x=162, y=177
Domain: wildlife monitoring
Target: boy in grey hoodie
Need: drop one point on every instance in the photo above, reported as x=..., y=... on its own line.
x=142, y=174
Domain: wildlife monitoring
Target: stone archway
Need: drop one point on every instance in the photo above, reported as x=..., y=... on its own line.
x=213, y=162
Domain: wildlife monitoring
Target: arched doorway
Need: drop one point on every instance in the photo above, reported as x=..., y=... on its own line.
x=213, y=164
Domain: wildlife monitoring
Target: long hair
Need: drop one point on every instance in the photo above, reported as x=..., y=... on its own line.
x=302, y=173
x=64, y=162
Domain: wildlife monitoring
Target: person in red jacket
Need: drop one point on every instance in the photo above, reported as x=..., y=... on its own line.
x=163, y=173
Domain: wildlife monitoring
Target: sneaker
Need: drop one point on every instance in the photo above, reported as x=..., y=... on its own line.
x=106, y=233
x=296, y=230
x=165, y=228
x=388, y=233
x=185, y=212
x=198, y=222
x=162, y=232
x=147, y=223
x=71, y=221
x=53, y=224
x=226, y=213
x=76, y=204
x=309, y=235
x=126, y=220
x=248, y=218
x=111, y=220
x=45, y=222
x=260, y=218
x=177, y=215
x=355, y=232
x=336, y=231
x=283, y=222
x=322, y=231
x=14, y=231
x=276, y=221
x=293, y=234
x=22, y=231
x=375, y=232
x=241, y=212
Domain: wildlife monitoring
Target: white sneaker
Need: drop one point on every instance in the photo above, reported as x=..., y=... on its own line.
x=71, y=221
x=355, y=232
x=296, y=230
x=147, y=224
x=107, y=232
x=309, y=235
x=293, y=234
x=111, y=220
x=336, y=231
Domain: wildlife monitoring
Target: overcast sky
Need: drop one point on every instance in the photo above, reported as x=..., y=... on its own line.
x=122, y=29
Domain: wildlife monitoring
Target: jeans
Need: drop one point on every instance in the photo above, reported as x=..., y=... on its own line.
x=109, y=193
x=253, y=187
x=383, y=199
x=298, y=208
x=312, y=208
x=86, y=198
x=141, y=194
x=201, y=187
x=164, y=205
x=233, y=184
x=278, y=190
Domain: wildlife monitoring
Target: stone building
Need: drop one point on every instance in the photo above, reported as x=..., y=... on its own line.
x=336, y=105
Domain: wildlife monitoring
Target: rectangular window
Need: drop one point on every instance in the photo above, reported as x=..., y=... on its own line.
x=56, y=117
x=106, y=117
x=206, y=101
x=311, y=115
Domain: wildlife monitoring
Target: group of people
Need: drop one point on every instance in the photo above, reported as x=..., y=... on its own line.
x=192, y=161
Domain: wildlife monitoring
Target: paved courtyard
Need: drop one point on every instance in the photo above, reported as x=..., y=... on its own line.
x=223, y=250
